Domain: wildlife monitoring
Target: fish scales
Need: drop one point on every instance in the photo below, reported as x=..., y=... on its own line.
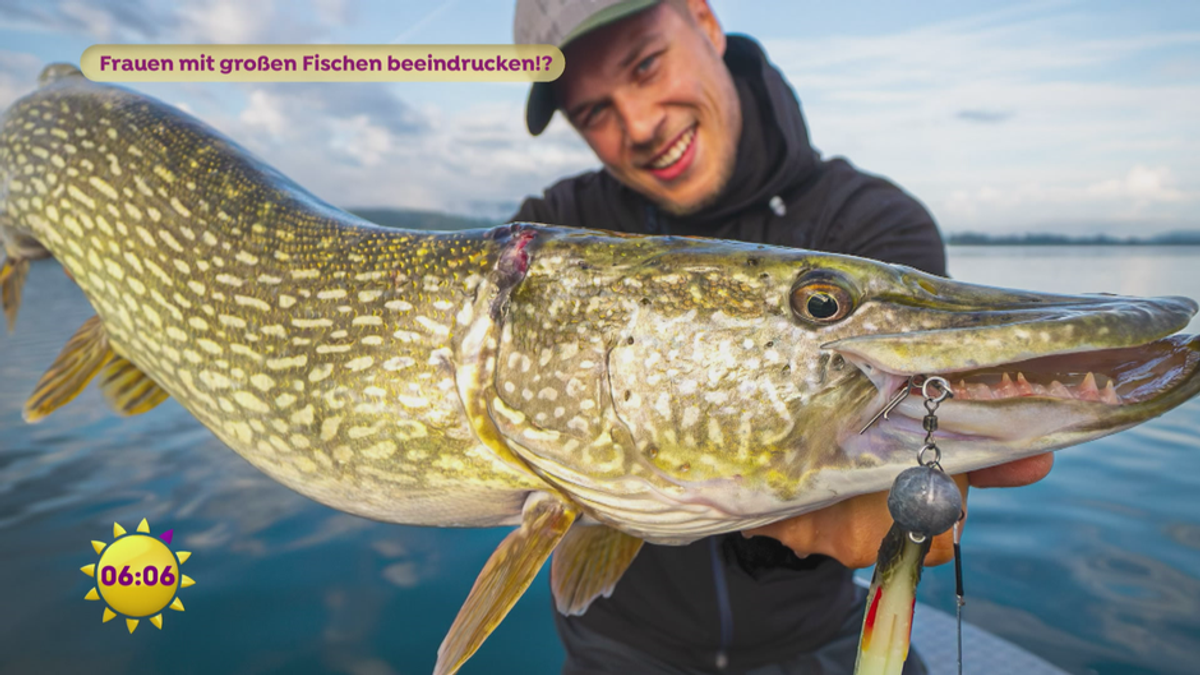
x=318, y=346
x=598, y=389
x=670, y=387
x=328, y=351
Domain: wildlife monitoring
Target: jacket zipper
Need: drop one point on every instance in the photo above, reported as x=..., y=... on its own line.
x=723, y=608
x=655, y=224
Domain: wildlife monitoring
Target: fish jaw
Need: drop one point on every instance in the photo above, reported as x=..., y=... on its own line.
x=1029, y=372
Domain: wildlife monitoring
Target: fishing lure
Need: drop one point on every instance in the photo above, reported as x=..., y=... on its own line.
x=924, y=502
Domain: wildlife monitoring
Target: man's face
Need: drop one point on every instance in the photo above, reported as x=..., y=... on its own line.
x=653, y=98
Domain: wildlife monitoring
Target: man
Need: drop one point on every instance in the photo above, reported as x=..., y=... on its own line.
x=700, y=135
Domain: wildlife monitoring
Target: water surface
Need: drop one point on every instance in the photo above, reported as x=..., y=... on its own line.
x=1096, y=568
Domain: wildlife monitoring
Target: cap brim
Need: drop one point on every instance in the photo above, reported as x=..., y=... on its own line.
x=540, y=106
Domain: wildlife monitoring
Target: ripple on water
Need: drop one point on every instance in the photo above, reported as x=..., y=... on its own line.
x=1094, y=568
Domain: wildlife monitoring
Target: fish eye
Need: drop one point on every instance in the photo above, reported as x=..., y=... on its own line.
x=821, y=301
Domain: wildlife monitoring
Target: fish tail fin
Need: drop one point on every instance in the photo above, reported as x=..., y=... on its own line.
x=503, y=580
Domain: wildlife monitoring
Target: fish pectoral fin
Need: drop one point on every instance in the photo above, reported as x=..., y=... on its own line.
x=508, y=572
x=588, y=564
x=12, y=280
x=84, y=355
x=128, y=390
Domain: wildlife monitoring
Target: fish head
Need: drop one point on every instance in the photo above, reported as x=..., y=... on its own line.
x=1029, y=372
x=707, y=386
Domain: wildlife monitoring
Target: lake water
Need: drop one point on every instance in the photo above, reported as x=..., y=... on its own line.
x=1096, y=568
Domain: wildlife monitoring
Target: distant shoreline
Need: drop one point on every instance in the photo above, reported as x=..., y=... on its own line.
x=416, y=219
x=1190, y=238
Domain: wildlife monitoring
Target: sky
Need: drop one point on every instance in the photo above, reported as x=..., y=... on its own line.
x=1073, y=117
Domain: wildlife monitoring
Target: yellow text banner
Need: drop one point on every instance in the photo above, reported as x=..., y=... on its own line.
x=322, y=63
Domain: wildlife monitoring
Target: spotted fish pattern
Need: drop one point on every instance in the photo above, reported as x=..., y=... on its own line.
x=597, y=389
x=320, y=347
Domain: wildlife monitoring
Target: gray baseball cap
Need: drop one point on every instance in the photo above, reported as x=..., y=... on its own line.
x=558, y=22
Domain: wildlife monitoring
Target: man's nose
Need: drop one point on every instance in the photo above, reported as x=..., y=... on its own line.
x=642, y=119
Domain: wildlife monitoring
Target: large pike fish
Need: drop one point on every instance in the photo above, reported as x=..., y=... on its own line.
x=598, y=390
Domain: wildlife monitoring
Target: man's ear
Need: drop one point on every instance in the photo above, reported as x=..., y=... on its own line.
x=706, y=20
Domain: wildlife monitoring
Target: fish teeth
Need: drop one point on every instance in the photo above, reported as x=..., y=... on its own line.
x=1087, y=390
x=980, y=392
x=1059, y=390
x=1023, y=388
x=962, y=392
x=1006, y=388
x=1109, y=394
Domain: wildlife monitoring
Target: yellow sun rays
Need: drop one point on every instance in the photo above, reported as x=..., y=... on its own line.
x=130, y=550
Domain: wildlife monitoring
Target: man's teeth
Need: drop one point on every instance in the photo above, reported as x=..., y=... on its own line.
x=676, y=151
x=1087, y=390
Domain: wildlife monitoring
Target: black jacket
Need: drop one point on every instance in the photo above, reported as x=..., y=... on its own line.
x=730, y=600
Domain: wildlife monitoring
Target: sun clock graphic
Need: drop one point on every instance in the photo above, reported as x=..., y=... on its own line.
x=138, y=576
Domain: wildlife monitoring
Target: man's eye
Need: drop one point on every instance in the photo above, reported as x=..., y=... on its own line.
x=594, y=114
x=647, y=64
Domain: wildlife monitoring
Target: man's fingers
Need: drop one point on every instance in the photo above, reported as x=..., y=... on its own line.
x=1014, y=474
x=851, y=531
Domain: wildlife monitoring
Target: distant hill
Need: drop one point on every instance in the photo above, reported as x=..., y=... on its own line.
x=412, y=219
x=1183, y=237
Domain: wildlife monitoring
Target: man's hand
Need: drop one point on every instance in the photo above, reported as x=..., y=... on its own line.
x=1014, y=474
x=850, y=531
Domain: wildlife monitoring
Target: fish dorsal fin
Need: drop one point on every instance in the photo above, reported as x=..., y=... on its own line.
x=58, y=71
x=588, y=564
x=12, y=279
x=508, y=572
x=85, y=354
x=128, y=389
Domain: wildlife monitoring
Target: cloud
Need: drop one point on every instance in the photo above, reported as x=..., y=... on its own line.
x=226, y=21
x=1142, y=185
x=1139, y=202
x=1055, y=116
x=264, y=113
x=357, y=124
x=997, y=121
x=106, y=20
x=984, y=116
x=199, y=21
x=378, y=103
x=337, y=12
x=352, y=144
x=360, y=140
x=477, y=161
x=18, y=75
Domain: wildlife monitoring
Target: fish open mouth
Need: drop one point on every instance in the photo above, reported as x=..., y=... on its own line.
x=1110, y=376
x=1023, y=367
x=1091, y=392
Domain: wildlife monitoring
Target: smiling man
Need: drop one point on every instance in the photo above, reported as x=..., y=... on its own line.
x=700, y=135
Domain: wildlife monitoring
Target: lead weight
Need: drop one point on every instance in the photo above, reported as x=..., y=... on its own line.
x=925, y=501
